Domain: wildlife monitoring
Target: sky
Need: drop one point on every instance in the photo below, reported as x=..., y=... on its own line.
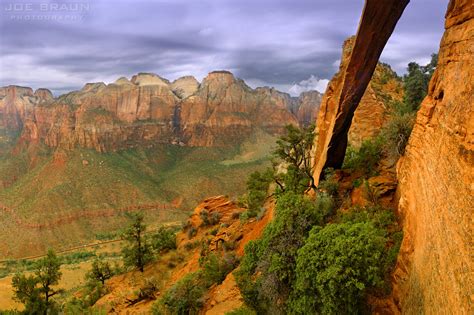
x=292, y=45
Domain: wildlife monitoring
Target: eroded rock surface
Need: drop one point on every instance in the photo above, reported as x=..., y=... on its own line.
x=435, y=273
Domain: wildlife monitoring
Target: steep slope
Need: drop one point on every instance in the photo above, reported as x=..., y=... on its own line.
x=435, y=267
x=66, y=198
x=197, y=240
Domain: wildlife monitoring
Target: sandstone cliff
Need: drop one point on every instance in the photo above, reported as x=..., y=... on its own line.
x=225, y=106
x=17, y=104
x=435, y=268
x=148, y=109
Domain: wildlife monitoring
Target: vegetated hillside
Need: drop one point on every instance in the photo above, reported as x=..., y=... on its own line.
x=61, y=198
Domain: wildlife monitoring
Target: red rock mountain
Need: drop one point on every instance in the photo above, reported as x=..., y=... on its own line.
x=148, y=109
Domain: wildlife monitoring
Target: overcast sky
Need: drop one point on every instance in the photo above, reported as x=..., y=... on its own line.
x=293, y=45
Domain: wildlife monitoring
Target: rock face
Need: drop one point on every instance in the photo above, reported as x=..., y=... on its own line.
x=373, y=110
x=148, y=109
x=347, y=88
x=17, y=105
x=225, y=107
x=435, y=269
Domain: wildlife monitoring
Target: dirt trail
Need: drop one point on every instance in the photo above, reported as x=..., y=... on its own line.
x=94, y=244
x=85, y=213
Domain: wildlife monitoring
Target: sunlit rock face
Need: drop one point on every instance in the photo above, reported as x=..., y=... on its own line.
x=435, y=271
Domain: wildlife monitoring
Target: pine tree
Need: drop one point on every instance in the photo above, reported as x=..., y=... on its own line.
x=138, y=251
x=101, y=271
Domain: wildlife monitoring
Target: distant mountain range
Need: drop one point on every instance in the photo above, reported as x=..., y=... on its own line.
x=148, y=109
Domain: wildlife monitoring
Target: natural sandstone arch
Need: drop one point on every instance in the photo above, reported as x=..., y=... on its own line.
x=346, y=89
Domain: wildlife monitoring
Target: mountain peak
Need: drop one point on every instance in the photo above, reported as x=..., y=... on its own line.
x=145, y=78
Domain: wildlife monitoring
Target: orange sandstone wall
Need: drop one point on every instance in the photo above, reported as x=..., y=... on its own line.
x=435, y=273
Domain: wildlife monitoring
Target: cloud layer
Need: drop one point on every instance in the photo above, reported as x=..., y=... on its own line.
x=281, y=43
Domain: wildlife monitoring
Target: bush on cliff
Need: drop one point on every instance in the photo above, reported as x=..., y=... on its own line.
x=185, y=297
x=273, y=257
x=164, y=239
x=257, y=191
x=366, y=158
x=294, y=150
x=335, y=267
x=216, y=268
x=416, y=82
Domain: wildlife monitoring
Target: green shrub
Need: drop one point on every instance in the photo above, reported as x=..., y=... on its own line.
x=164, y=239
x=396, y=133
x=215, y=268
x=148, y=290
x=273, y=256
x=77, y=257
x=381, y=217
x=330, y=185
x=243, y=310
x=335, y=267
x=36, y=290
x=191, y=232
x=93, y=291
x=294, y=150
x=137, y=252
x=100, y=271
x=185, y=297
x=257, y=191
x=392, y=254
x=416, y=82
x=208, y=218
x=366, y=158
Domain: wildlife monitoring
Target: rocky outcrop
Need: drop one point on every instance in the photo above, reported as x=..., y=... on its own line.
x=225, y=235
x=17, y=105
x=148, y=109
x=435, y=269
x=346, y=89
x=185, y=86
